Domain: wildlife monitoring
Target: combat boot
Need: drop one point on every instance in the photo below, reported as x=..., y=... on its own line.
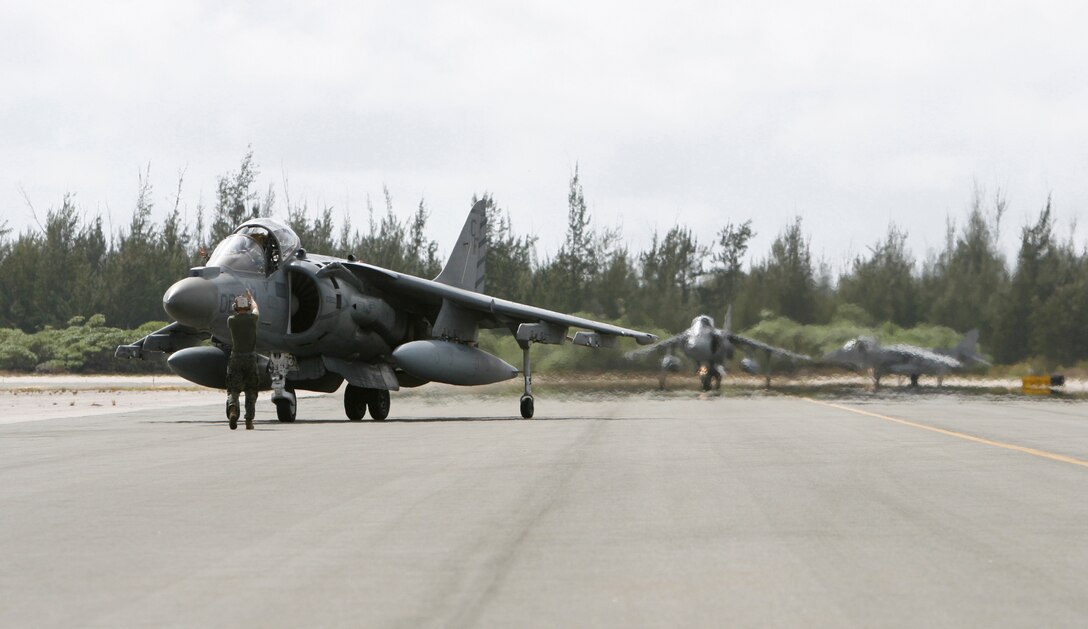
x=251, y=409
x=232, y=414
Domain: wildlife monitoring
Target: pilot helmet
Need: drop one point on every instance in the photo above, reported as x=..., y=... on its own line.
x=242, y=304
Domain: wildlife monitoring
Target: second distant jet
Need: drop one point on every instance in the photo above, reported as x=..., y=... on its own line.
x=866, y=354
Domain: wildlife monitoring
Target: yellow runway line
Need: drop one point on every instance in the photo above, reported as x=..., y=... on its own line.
x=959, y=435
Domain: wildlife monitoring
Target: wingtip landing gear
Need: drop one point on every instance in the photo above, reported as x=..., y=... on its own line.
x=527, y=377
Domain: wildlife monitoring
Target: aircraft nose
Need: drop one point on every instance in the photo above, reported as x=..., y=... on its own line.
x=192, y=302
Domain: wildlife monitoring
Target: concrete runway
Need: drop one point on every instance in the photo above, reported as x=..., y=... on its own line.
x=939, y=511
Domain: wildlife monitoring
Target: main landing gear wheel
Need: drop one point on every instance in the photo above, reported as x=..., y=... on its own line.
x=378, y=403
x=527, y=406
x=285, y=409
x=355, y=401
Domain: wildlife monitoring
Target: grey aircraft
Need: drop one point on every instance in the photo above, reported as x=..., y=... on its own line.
x=325, y=320
x=710, y=349
x=866, y=354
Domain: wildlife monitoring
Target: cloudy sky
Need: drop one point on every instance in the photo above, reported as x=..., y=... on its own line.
x=851, y=115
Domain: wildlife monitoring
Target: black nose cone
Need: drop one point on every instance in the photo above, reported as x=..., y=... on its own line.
x=192, y=302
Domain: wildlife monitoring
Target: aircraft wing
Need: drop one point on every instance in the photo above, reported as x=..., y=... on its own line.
x=488, y=311
x=671, y=342
x=752, y=344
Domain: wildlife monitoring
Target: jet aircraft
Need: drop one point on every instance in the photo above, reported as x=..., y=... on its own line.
x=710, y=348
x=867, y=354
x=325, y=320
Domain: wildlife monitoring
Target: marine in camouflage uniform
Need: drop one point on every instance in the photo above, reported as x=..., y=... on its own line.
x=242, y=367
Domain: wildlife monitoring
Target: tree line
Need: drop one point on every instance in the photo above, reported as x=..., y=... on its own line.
x=71, y=267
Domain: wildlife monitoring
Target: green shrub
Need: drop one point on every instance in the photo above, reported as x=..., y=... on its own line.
x=15, y=357
x=86, y=345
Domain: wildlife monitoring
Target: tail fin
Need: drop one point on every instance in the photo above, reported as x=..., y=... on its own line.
x=465, y=268
x=967, y=349
x=727, y=322
x=969, y=343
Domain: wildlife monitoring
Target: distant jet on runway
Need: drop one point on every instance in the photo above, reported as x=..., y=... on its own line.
x=866, y=354
x=710, y=348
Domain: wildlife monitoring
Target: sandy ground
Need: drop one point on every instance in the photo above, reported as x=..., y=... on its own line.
x=33, y=398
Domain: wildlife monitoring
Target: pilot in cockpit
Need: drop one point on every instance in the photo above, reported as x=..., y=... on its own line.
x=251, y=249
x=268, y=246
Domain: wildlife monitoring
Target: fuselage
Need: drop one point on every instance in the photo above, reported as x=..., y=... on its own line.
x=308, y=307
x=907, y=360
x=705, y=344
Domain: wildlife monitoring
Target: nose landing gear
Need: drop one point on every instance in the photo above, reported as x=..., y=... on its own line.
x=285, y=400
x=286, y=406
x=710, y=377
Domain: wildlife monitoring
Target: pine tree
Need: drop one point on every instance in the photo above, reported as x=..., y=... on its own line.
x=787, y=282
x=235, y=202
x=883, y=284
x=509, y=262
x=967, y=282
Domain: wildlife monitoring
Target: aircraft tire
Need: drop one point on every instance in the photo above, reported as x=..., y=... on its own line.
x=378, y=402
x=285, y=410
x=355, y=402
x=527, y=407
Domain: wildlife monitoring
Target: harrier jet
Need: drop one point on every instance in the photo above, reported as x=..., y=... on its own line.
x=325, y=320
x=867, y=354
x=710, y=348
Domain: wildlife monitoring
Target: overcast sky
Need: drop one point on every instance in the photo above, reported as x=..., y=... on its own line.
x=850, y=115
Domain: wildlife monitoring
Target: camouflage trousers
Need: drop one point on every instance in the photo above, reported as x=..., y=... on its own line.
x=242, y=376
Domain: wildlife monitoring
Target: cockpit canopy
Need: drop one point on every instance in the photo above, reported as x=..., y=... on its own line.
x=258, y=246
x=859, y=344
x=702, y=321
